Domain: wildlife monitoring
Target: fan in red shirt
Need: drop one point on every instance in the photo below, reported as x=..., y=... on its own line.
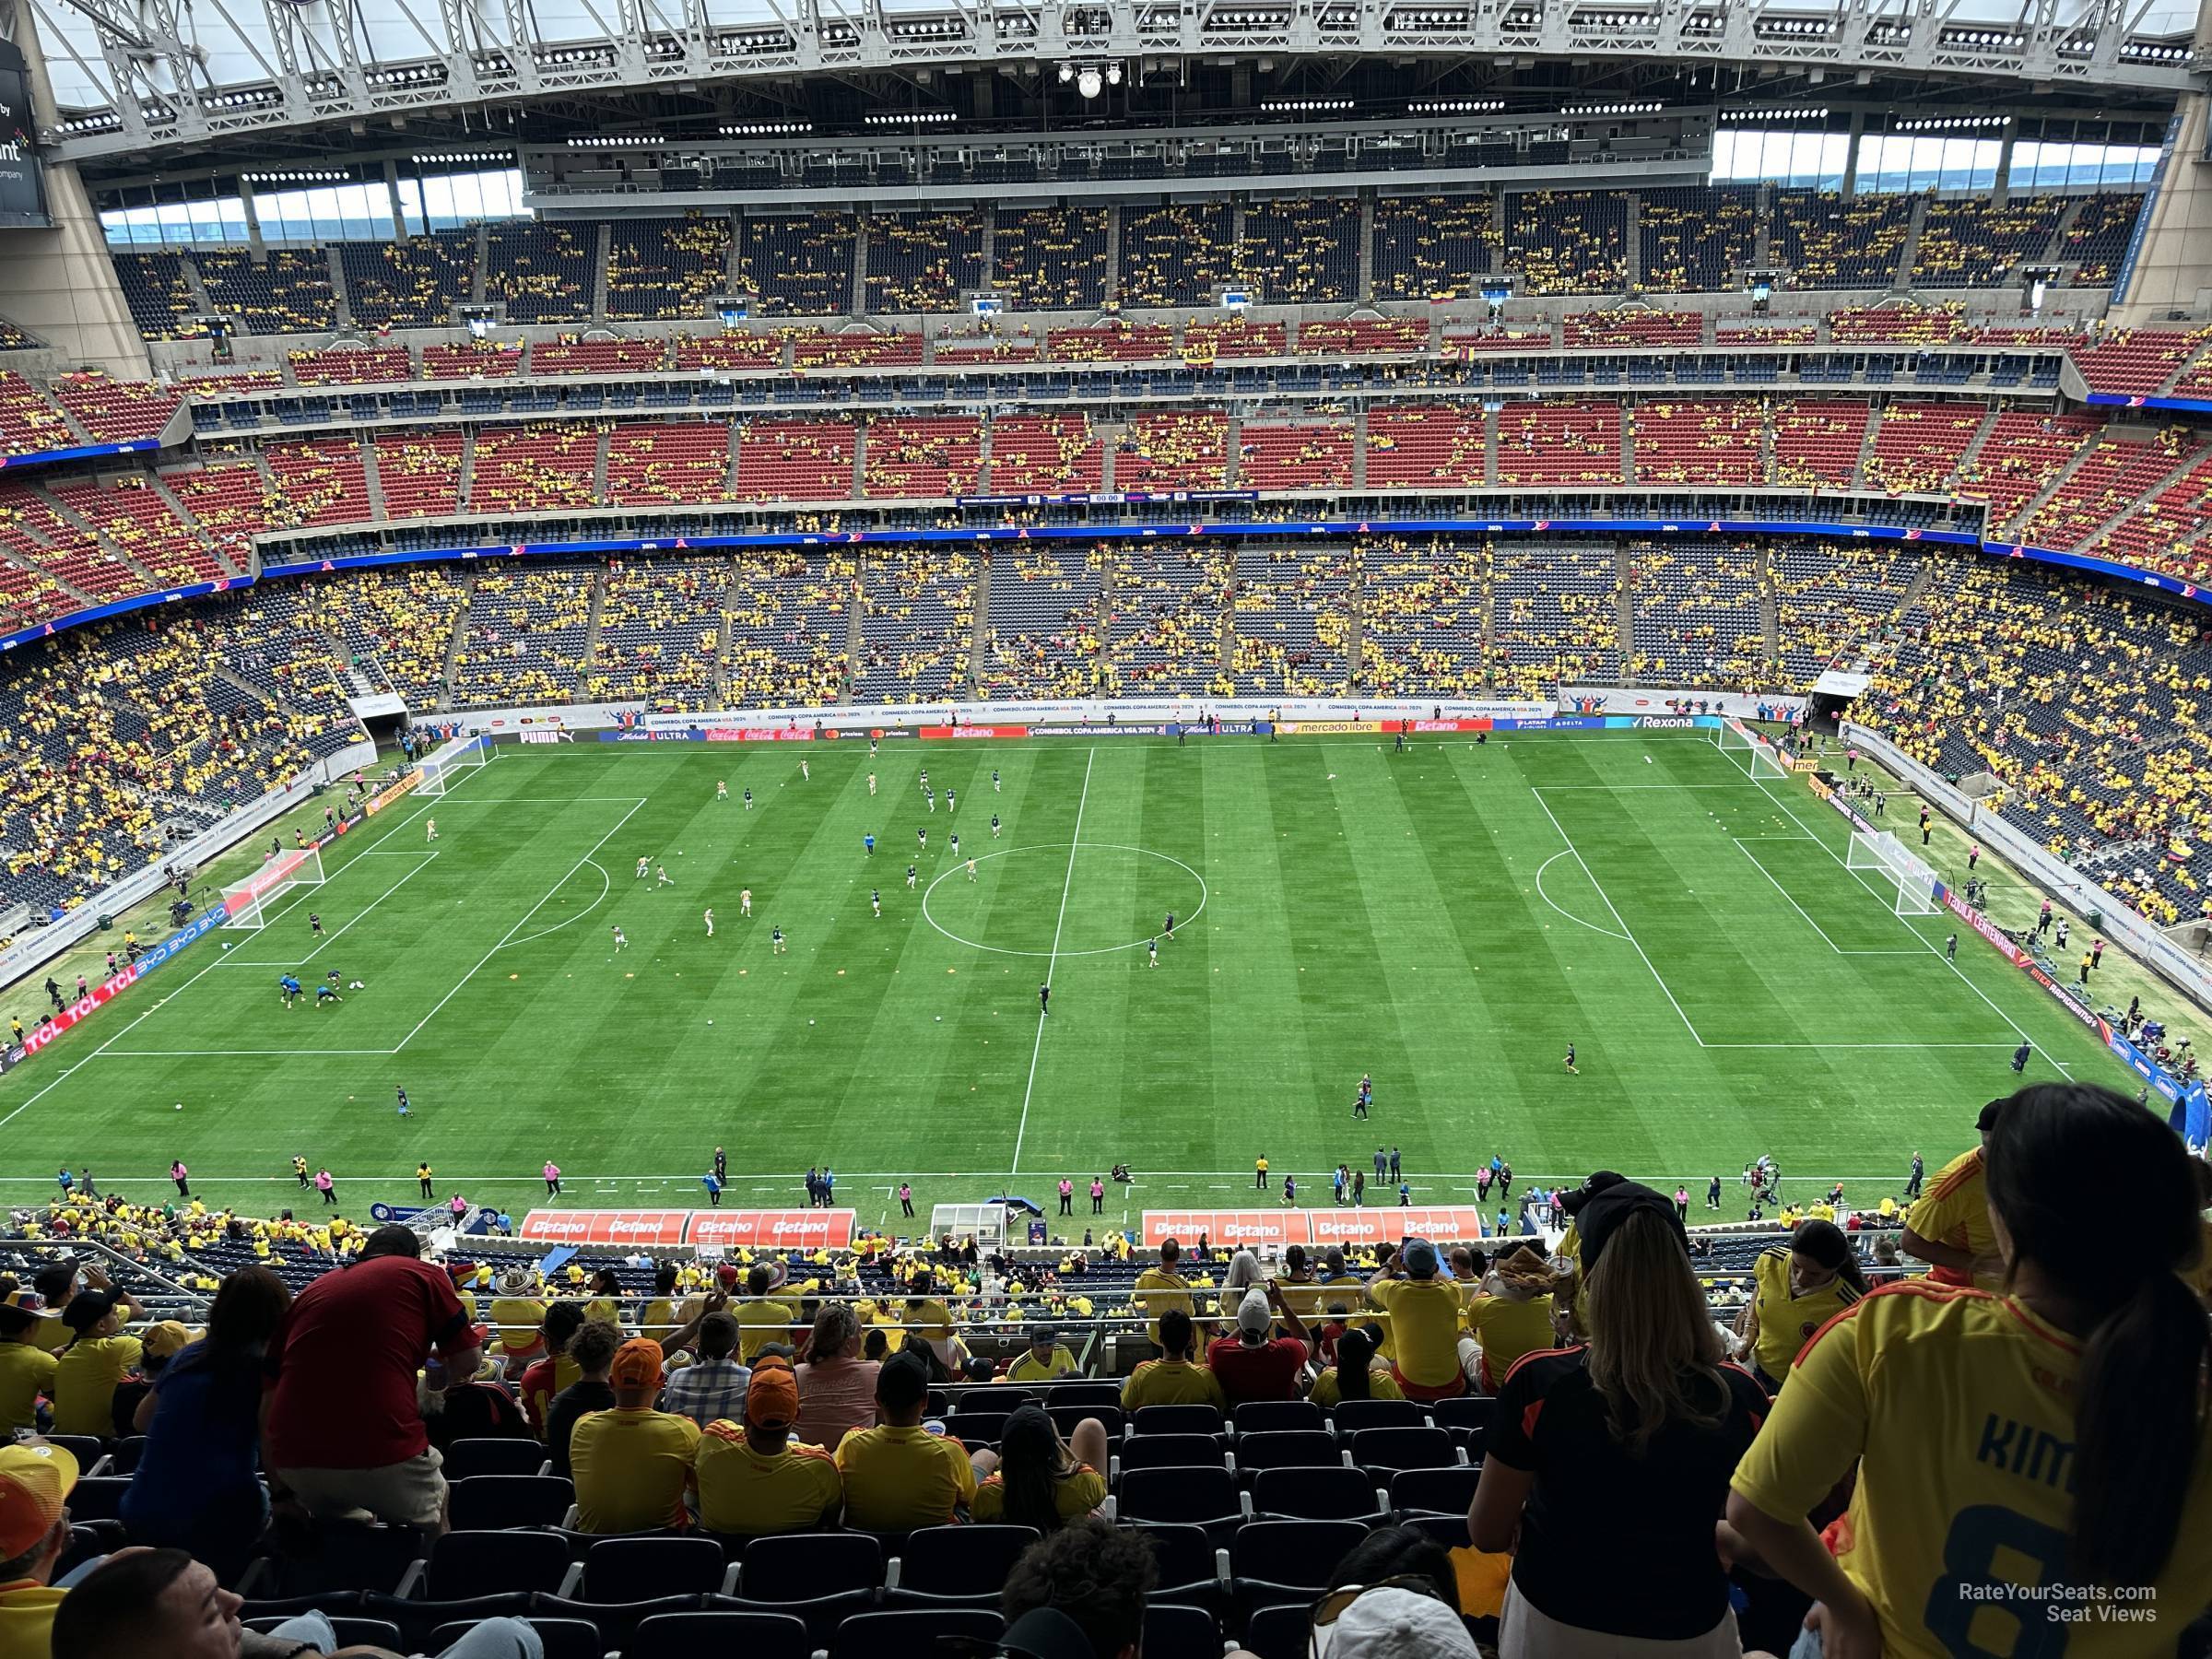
x=343, y=1430
x=1255, y=1365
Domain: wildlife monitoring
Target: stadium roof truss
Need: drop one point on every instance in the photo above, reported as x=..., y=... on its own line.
x=136, y=75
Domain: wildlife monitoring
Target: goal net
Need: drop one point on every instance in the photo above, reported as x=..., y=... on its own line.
x=1747, y=749
x=445, y=767
x=247, y=903
x=1897, y=872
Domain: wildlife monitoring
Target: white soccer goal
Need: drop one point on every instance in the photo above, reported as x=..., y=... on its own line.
x=1902, y=874
x=445, y=767
x=247, y=903
x=1747, y=749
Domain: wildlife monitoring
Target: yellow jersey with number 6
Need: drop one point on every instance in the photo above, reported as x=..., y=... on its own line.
x=1961, y=1406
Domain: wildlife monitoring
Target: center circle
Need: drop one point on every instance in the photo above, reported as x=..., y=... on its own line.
x=1143, y=884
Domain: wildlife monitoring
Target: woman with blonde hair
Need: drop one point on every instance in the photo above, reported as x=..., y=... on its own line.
x=1619, y=1451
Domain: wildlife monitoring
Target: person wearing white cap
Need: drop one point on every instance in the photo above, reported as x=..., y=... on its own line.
x=1255, y=1364
x=1388, y=1622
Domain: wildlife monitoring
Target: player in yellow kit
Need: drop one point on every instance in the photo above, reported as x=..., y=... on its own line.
x=2034, y=1471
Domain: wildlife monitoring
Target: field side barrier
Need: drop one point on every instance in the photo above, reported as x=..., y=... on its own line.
x=247, y=822
x=41, y=945
x=2124, y=926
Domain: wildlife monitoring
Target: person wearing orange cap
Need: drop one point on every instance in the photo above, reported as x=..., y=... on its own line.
x=756, y=1480
x=632, y=1464
x=35, y=1482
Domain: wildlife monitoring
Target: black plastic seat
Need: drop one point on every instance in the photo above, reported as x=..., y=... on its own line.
x=974, y=1429
x=1090, y=1394
x=1469, y=1414
x=1337, y=1494
x=85, y=1448
x=1268, y=1417
x=1287, y=1449
x=690, y=1635
x=992, y=1396
x=417, y=1620
x=954, y=1564
x=1177, y=1419
x=1284, y=1632
x=466, y=1458
x=1353, y=1416
x=1170, y=1452
x=911, y=1631
x=1276, y=1561
x=1434, y=1491
x=823, y=1578
x=1189, y=1565
x=494, y=1563
x=124, y=1455
x=1175, y=1632
x=635, y=1570
x=487, y=1502
x=1185, y=1496
x=614, y=1621
x=98, y=1498
x=1386, y=1449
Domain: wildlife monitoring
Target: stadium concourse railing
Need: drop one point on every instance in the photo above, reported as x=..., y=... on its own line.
x=62, y=929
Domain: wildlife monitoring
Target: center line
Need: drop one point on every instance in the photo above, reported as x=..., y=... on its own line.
x=1074, y=841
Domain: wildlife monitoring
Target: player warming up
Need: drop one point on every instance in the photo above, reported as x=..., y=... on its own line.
x=1570, y=1066
x=710, y=921
x=910, y=878
x=661, y=876
x=972, y=869
x=288, y=990
x=1044, y=999
x=404, y=1110
x=621, y=943
x=430, y=824
x=722, y=789
x=876, y=900
x=1152, y=953
x=745, y=902
x=871, y=783
x=775, y=941
x=748, y=797
x=804, y=775
x=995, y=826
x=1168, y=930
x=314, y=924
x=644, y=864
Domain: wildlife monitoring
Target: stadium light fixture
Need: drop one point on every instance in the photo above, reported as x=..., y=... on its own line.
x=1089, y=83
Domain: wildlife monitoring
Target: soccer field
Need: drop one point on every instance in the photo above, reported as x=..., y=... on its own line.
x=1447, y=920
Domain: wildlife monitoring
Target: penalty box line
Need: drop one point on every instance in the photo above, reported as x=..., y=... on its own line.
x=1628, y=937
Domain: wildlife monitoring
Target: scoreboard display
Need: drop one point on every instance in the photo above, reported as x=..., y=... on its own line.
x=22, y=190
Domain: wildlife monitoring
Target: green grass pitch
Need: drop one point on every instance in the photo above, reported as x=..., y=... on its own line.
x=1447, y=920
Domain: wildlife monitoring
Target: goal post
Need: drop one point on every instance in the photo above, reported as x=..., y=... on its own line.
x=246, y=904
x=1755, y=754
x=1901, y=874
x=451, y=763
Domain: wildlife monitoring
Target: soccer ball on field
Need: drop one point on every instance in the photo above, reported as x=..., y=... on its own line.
x=179, y=1105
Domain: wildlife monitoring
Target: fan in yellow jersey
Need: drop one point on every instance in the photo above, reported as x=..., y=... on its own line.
x=1043, y=1359
x=1035, y=1478
x=1948, y=1226
x=1172, y=1379
x=1801, y=1286
x=1159, y=1289
x=1510, y=1313
x=2034, y=1471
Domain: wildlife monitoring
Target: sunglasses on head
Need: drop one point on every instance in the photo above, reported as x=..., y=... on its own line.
x=1331, y=1607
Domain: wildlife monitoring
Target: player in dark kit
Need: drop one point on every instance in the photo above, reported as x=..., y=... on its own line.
x=1044, y=999
x=1570, y=1066
x=314, y=924
x=1167, y=930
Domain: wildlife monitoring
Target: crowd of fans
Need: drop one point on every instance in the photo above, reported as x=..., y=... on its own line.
x=1408, y=1451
